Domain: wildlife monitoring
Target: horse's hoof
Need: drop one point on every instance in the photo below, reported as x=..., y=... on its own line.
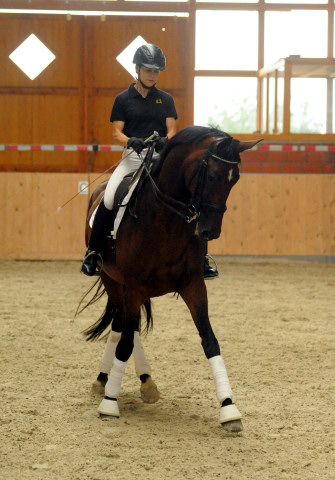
x=235, y=426
x=230, y=414
x=109, y=407
x=149, y=391
x=98, y=387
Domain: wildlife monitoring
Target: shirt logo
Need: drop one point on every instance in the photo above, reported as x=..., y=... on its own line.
x=158, y=100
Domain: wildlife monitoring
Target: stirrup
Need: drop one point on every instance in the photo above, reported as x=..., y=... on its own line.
x=210, y=273
x=92, y=262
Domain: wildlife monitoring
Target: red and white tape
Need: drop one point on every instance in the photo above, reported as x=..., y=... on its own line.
x=297, y=148
x=117, y=148
x=60, y=148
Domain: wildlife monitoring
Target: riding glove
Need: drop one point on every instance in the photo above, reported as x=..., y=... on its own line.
x=137, y=144
x=160, y=143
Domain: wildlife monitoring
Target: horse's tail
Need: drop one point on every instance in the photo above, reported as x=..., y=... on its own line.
x=110, y=314
x=94, y=331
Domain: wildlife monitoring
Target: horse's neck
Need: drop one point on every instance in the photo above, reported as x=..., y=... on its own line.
x=171, y=178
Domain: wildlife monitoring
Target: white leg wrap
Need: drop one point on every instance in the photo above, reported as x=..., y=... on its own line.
x=113, y=386
x=109, y=353
x=219, y=372
x=141, y=363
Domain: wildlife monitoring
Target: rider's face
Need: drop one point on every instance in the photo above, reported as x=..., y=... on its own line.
x=149, y=76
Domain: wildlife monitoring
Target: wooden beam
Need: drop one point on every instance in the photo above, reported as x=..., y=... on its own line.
x=39, y=91
x=104, y=6
x=226, y=73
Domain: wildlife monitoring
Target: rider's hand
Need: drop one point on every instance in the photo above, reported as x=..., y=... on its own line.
x=160, y=143
x=137, y=144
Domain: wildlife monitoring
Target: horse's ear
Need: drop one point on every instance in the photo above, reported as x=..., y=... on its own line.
x=248, y=144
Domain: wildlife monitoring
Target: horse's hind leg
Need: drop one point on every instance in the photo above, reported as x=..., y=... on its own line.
x=148, y=390
x=124, y=349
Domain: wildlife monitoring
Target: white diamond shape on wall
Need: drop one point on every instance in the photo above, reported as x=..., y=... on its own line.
x=126, y=57
x=32, y=56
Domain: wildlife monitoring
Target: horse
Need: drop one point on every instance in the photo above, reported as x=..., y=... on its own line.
x=160, y=246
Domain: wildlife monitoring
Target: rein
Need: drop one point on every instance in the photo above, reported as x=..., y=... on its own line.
x=193, y=208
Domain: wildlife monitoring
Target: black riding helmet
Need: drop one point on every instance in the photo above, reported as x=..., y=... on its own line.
x=150, y=56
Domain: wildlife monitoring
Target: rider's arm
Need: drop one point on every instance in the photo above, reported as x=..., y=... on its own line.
x=171, y=127
x=117, y=132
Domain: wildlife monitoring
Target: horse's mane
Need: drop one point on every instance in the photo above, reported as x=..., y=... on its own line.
x=191, y=135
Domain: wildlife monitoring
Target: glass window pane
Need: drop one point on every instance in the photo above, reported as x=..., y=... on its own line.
x=156, y=0
x=308, y=105
x=228, y=1
x=226, y=102
x=298, y=32
x=280, y=105
x=264, y=126
x=226, y=40
x=297, y=1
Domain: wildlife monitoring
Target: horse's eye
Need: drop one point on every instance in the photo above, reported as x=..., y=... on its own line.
x=211, y=178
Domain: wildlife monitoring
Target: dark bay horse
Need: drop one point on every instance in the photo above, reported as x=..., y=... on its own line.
x=160, y=248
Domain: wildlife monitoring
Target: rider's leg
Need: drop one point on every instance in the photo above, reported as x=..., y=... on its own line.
x=102, y=221
x=101, y=225
x=130, y=163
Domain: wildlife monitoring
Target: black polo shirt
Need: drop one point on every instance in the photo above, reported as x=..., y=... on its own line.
x=143, y=116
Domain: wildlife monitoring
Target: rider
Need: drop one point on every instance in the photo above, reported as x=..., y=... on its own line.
x=137, y=112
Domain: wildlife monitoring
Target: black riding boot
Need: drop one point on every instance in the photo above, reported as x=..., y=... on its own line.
x=209, y=272
x=101, y=226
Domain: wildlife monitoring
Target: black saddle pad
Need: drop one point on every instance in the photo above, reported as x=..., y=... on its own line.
x=121, y=192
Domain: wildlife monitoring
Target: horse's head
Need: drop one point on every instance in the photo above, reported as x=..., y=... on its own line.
x=211, y=179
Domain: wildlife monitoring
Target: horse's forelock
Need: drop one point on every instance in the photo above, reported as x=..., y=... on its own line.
x=228, y=149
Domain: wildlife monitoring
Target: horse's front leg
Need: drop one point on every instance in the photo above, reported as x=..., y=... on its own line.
x=195, y=297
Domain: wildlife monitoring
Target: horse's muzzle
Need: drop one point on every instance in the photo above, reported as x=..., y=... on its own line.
x=210, y=234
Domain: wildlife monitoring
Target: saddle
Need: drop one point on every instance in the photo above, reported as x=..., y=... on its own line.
x=127, y=192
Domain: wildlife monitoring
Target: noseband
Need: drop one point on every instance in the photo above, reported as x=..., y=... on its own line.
x=196, y=201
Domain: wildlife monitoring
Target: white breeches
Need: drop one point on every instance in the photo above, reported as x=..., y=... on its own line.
x=129, y=163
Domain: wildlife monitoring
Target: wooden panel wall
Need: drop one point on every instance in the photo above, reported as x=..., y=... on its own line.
x=279, y=215
x=32, y=227
x=71, y=100
x=267, y=215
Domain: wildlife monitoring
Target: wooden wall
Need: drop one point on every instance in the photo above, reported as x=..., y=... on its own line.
x=71, y=100
x=267, y=215
x=70, y=103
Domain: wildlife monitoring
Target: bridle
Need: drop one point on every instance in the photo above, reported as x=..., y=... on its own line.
x=191, y=211
x=197, y=201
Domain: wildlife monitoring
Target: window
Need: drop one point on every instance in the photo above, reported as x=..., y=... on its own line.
x=226, y=102
x=308, y=105
x=226, y=40
x=297, y=32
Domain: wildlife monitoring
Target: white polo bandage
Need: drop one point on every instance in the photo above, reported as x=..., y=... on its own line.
x=219, y=372
x=141, y=363
x=109, y=353
x=113, y=386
